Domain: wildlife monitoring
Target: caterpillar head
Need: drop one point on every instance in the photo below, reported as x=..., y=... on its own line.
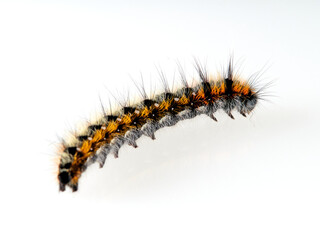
x=249, y=102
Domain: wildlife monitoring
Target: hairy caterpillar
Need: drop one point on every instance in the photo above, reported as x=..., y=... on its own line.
x=110, y=132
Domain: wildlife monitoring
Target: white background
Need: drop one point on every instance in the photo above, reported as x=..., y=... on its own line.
x=249, y=178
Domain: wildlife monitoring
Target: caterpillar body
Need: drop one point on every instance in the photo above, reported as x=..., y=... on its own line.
x=106, y=136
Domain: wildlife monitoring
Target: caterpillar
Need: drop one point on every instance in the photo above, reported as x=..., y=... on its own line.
x=106, y=136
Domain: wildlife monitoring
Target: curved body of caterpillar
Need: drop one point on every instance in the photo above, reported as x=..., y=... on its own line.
x=145, y=118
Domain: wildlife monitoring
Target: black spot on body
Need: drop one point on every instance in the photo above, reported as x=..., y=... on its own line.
x=229, y=89
x=135, y=120
x=64, y=177
x=154, y=114
x=148, y=102
x=187, y=91
x=173, y=108
x=120, y=128
x=249, y=93
x=172, y=111
x=140, y=121
x=82, y=138
x=168, y=96
x=93, y=145
x=65, y=166
x=206, y=88
x=127, y=110
x=191, y=106
x=106, y=135
x=71, y=150
x=111, y=118
x=94, y=127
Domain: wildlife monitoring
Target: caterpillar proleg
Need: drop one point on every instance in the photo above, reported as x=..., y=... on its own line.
x=106, y=136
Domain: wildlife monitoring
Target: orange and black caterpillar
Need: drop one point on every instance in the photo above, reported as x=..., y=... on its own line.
x=110, y=132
